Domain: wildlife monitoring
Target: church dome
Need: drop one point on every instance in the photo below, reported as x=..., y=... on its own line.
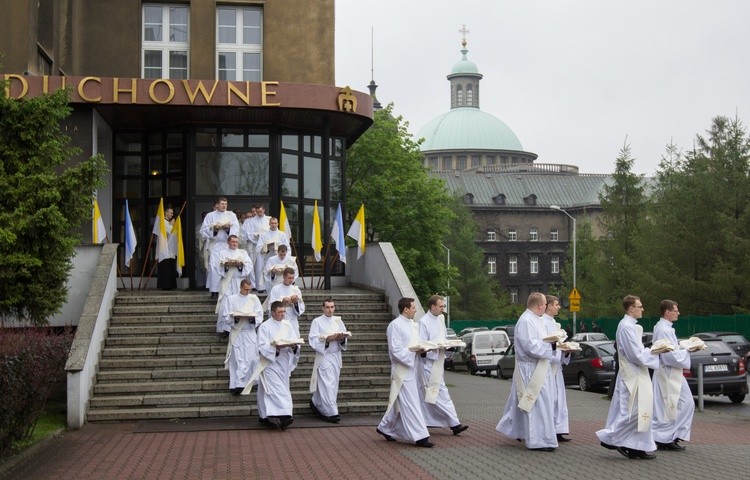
x=464, y=66
x=468, y=128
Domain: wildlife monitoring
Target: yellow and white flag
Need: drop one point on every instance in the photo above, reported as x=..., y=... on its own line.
x=284, y=222
x=357, y=231
x=160, y=230
x=317, y=242
x=99, y=231
x=177, y=232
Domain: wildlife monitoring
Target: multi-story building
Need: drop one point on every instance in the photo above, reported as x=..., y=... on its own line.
x=479, y=157
x=195, y=99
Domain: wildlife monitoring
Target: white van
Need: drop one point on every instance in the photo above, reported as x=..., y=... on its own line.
x=483, y=350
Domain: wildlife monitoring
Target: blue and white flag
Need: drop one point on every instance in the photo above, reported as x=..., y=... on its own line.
x=130, y=239
x=337, y=234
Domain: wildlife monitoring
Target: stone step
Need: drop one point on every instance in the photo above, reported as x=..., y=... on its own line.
x=217, y=371
x=222, y=384
x=211, y=338
x=360, y=330
x=211, y=307
x=380, y=318
x=128, y=298
x=216, y=348
x=145, y=399
x=215, y=360
x=211, y=411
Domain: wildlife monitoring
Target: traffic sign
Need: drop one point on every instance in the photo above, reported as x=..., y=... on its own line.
x=575, y=301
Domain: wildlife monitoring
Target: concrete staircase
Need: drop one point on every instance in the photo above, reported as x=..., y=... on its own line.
x=162, y=358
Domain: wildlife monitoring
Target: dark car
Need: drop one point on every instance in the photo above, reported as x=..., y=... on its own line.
x=736, y=342
x=647, y=339
x=592, y=367
x=507, y=363
x=509, y=329
x=469, y=330
x=588, y=337
x=723, y=371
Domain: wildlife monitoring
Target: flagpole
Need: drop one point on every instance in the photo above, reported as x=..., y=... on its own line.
x=296, y=259
x=325, y=261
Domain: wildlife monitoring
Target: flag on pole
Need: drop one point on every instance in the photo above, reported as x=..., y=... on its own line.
x=357, y=231
x=337, y=234
x=317, y=243
x=284, y=223
x=177, y=231
x=160, y=230
x=99, y=232
x=130, y=239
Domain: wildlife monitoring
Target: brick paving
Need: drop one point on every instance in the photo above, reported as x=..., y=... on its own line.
x=720, y=448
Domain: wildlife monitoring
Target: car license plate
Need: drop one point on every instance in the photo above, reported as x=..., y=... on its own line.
x=483, y=362
x=716, y=368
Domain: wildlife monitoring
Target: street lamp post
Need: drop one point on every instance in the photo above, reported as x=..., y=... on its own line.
x=447, y=296
x=557, y=207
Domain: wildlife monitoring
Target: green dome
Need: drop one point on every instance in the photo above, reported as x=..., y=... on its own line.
x=468, y=128
x=464, y=65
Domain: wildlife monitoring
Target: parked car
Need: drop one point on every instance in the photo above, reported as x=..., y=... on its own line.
x=507, y=363
x=453, y=359
x=509, y=329
x=647, y=339
x=483, y=350
x=450, y=334
x=724, y=372
x=589, y=337
x=736, y=342
x=469, y=330
x=593, y=367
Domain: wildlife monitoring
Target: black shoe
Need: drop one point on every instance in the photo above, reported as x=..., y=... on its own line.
x=214, y=295
x=224, y=335
x=385, y=435
x=333, y=419
x=562, y=438
x=425, y=442
x=459, y=428
x=674, y=446
x=624, y=451
x=274, y=422
x=607, y=446
x=634, y=454
x=544, y=449
x=265, y=422
x=236, y=391
x=284, y=422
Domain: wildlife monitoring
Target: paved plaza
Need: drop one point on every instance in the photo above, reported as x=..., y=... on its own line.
x=310, y=449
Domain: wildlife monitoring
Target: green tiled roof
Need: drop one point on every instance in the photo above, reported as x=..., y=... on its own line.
x=468, y=128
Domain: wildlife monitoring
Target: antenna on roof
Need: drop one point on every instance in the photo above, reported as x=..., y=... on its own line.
x=373, y=86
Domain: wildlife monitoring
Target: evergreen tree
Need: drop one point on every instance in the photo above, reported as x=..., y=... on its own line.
x=42, y=202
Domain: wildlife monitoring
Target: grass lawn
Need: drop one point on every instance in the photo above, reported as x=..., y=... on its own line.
x=52, y=420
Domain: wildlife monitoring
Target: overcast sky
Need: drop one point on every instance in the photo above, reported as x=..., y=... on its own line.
x=571, y=78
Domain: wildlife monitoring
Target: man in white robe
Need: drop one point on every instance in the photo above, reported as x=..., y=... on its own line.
x=252, y=229
x=166, y=273
x=216, y=228
x=628, y=427
x=562, y=423
x=437, y=405
x=274, y=396
x=290, y=297
x=232, y=265
x=267, y=247
x=404, y=419
x=275, y=266
x=242, y=314
x=529, y=412
x=328, y=338
x=673, y=401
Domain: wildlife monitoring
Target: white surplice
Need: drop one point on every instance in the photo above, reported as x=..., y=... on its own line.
x=268, y=242
x=673, y=406
x=236, y=274
x=274, y=396
x=252, y=229
x=274, y=268
x=562, y=419
x=328, y=361
x=217, y=240
x=404, y=420
x=621, y=429
x=243, y=352
x=442, y=413
x=536, y=427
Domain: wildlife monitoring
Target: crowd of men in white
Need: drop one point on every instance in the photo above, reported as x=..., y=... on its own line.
x=642, y=417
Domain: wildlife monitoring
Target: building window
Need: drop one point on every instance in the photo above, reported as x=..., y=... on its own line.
x=499, y=199
x=534, y=235
x=534, y=263
x=512, y=264
x=491, y=265
x=512, y=235
x=434, y=163
x=459, y=96
x=490, y=159
x=447, y=163
x=555, y=264
x=491, y=236
x=476, y=160
x=165, y=41
x=513, y=295
x=553, y=235
x=461, y=162
x=530, y=200
x=469, y=96
x=239, y=43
